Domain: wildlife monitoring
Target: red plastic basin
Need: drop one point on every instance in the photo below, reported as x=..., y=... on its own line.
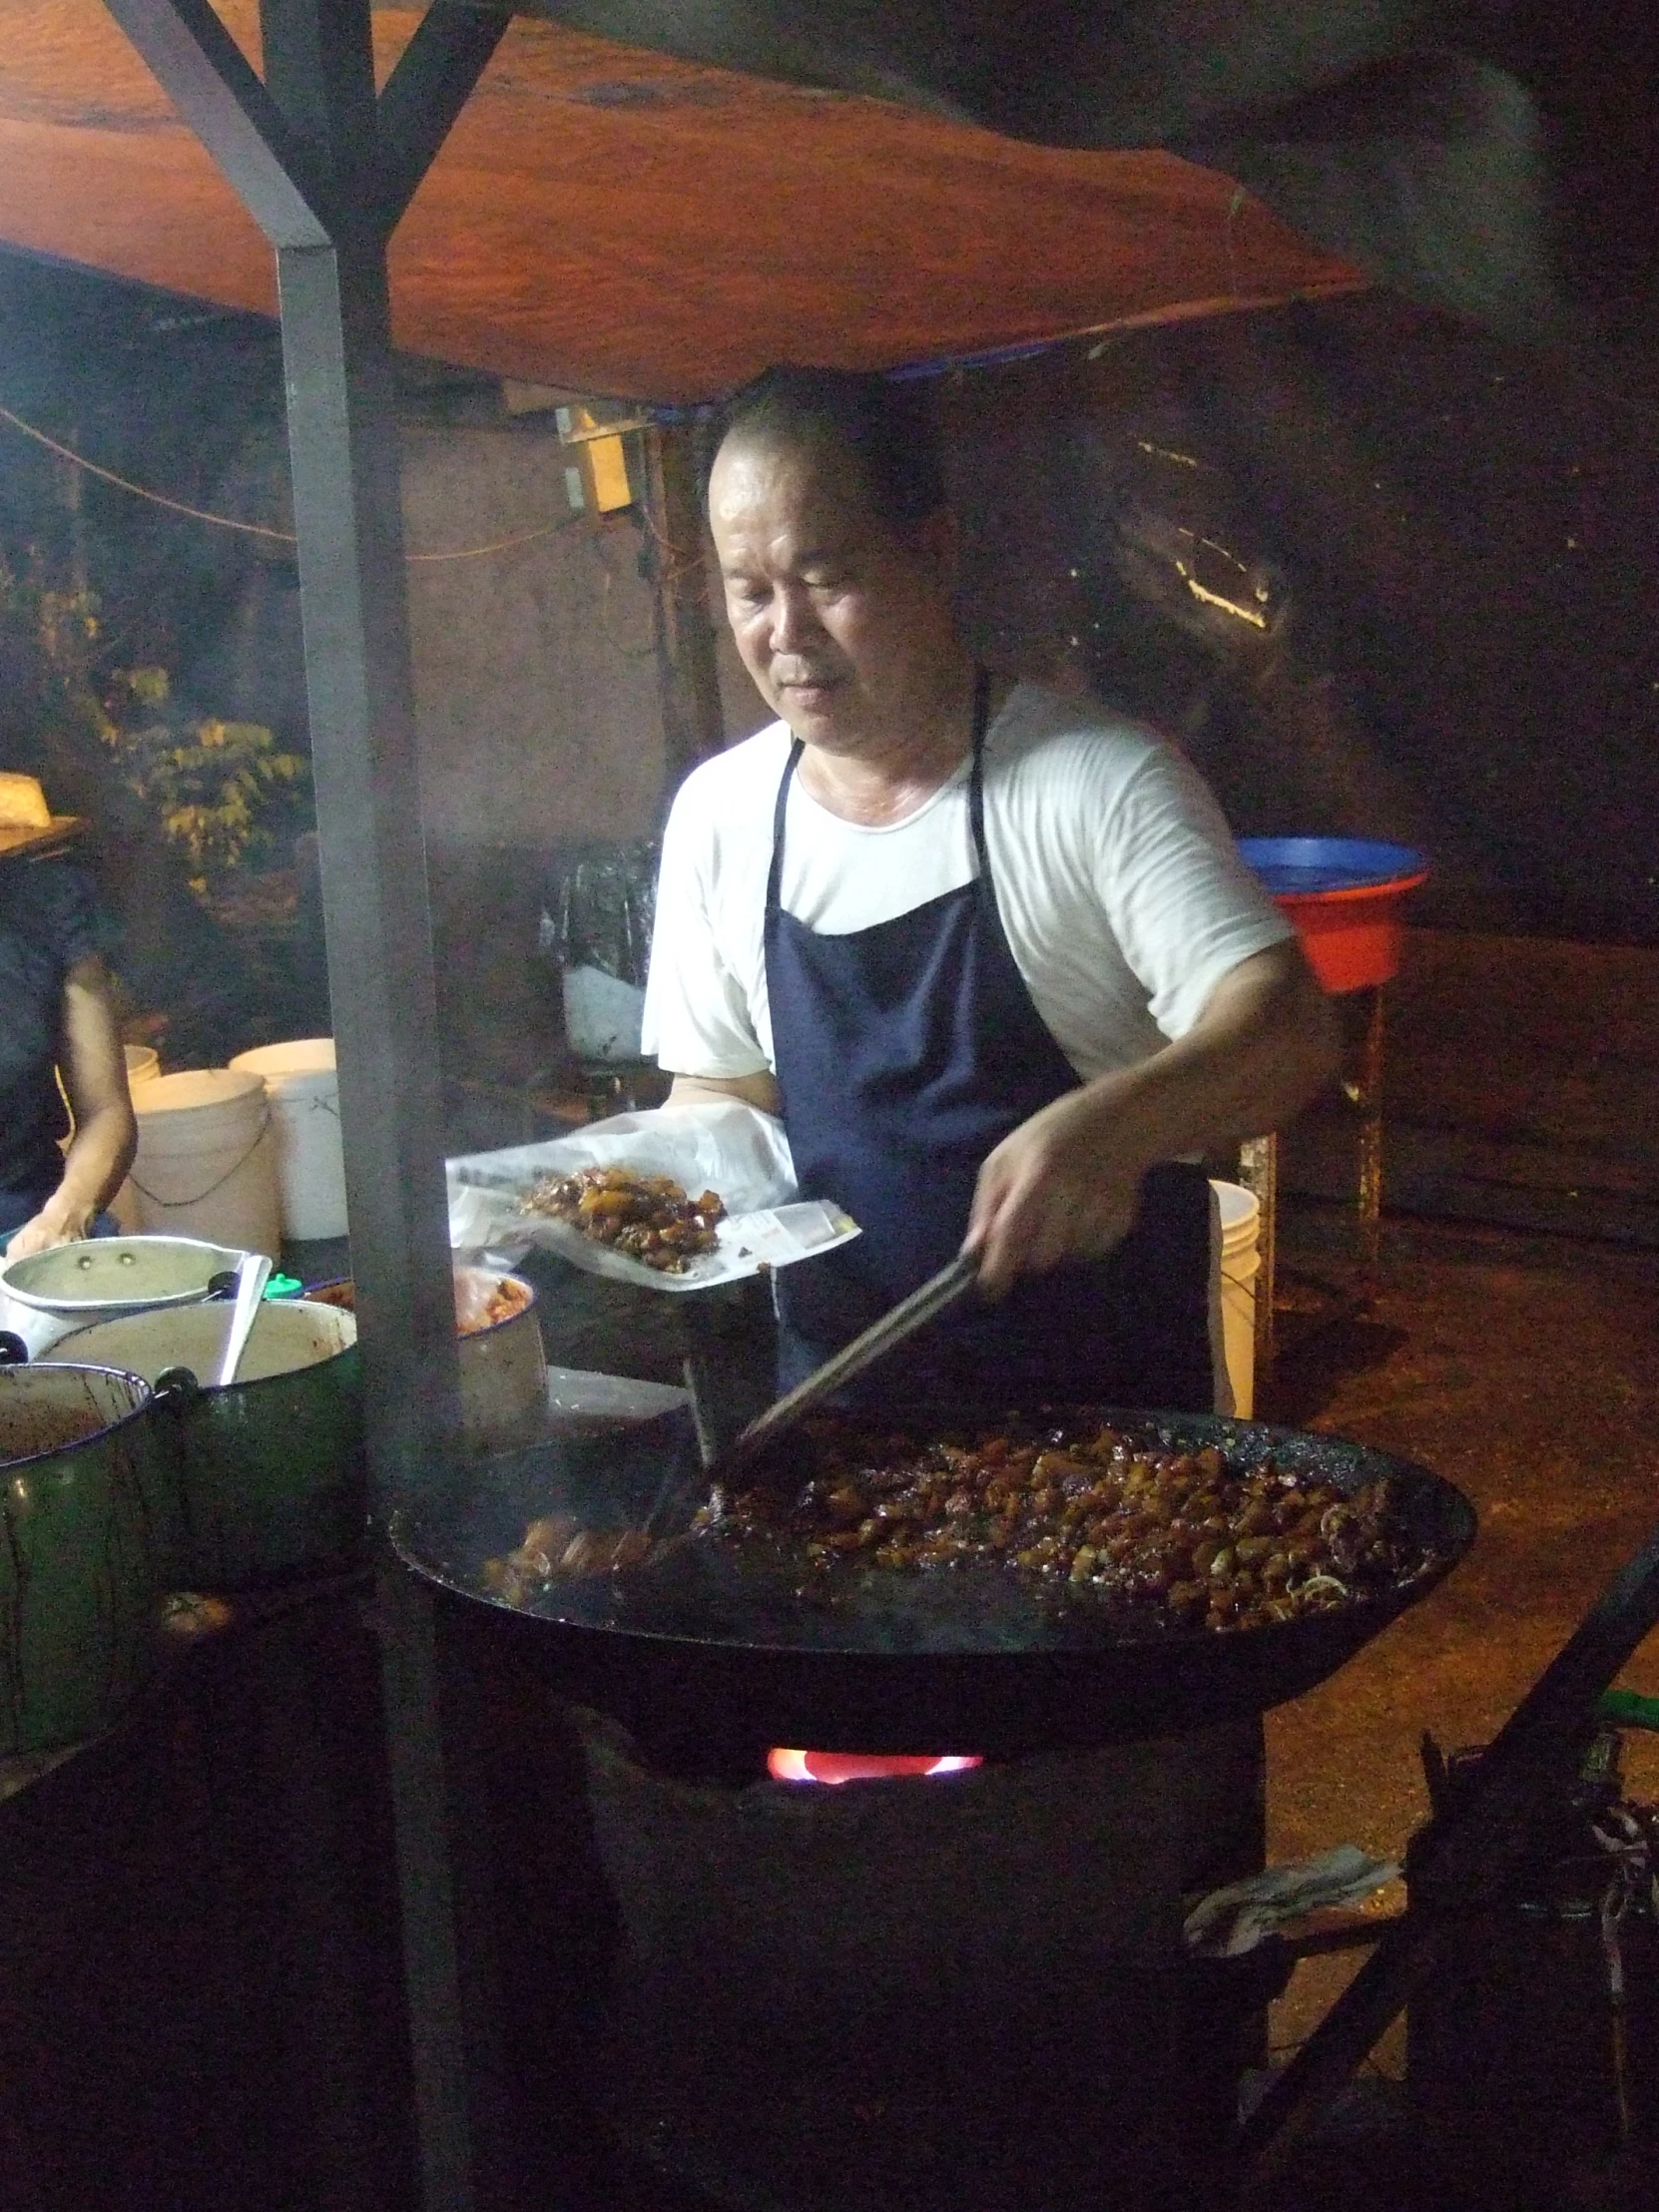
x=1351, y=929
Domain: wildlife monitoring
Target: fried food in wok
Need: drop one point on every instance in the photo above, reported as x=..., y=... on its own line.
x=648, y=1217
x=1081, y=1511
x=555, y=1548
x=1216, y=1545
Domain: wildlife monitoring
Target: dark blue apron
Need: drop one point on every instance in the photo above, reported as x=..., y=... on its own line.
x=904, y=1053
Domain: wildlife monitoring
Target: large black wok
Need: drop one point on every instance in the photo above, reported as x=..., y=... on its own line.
x=709, y=1642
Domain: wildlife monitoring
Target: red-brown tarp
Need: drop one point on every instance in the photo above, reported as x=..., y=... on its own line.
x=614, y=220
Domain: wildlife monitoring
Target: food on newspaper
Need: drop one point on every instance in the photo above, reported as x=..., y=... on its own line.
x=648, y=1217
x=1086, y=1509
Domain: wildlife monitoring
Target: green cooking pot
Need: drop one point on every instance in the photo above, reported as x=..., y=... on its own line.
x=88, y=1503
x=270, y=1468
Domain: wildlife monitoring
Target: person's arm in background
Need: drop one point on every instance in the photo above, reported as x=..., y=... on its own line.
x=94, y=1071
x=1064, y=1183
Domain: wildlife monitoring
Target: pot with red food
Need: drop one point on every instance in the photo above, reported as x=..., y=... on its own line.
x=503, y=1365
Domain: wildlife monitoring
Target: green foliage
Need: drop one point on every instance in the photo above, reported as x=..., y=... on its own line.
x=210, y=785
x=52, y=716
x=217, y=792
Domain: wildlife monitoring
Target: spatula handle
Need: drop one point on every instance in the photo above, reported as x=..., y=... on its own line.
x=880, y=1337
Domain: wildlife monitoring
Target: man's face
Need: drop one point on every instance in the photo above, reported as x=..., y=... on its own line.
x=843, y=620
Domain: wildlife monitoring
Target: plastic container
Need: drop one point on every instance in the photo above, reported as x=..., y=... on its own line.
x=304, y=1094
x=1233, y=1299
x=1344, y=897
x=604, y=1016
x=206, y=1160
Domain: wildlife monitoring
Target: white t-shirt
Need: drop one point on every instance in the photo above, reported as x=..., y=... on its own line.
x=1122, y=896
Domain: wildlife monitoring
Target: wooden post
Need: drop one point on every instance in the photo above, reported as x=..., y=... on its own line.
x=688, y=675
x=1259, y=1172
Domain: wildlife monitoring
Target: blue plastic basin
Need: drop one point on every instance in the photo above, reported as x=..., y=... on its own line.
x=1306, y=866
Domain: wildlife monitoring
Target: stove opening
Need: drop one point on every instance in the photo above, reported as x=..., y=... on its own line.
x=865, y=1766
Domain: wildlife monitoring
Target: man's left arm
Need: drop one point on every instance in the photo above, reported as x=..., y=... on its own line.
x=1065, y=1184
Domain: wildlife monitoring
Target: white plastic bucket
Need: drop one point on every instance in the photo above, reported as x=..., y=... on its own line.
x=1235, y=1259
x=303, y=1093
x=206, y=1163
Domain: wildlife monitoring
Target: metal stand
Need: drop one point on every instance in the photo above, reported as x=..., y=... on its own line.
x=326, y=166
x=1462, y=1853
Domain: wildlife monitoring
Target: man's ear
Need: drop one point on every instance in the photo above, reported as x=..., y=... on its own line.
x=936, y=541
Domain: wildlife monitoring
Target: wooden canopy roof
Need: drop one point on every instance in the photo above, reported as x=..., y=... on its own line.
x=616, y=220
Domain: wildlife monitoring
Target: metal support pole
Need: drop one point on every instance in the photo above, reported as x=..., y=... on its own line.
x=342, y=437
x=326, y=169
x=343, y=452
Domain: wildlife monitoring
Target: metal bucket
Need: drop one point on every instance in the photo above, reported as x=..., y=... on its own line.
x=271, y=1472
x=86, y=1490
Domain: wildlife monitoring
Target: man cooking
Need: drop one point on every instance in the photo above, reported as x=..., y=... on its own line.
x=988, y=949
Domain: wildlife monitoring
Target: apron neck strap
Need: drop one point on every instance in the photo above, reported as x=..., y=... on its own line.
x=976, y=790
x=774, y=875
x=976, y=775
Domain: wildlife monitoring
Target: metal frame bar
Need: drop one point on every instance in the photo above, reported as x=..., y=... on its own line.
x=425, y=94
x=205, y=75
x=326, y=169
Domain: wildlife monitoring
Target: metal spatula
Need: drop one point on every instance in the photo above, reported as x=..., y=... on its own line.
x=880, y=1337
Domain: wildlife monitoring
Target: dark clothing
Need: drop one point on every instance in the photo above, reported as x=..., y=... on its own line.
x=905, y=1054
x=50, y=918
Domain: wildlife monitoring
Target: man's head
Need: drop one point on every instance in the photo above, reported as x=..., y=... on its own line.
x=837, y=555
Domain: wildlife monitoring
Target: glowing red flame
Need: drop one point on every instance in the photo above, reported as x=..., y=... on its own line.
x=863, y=1766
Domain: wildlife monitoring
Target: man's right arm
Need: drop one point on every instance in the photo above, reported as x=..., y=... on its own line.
x=755, y=1090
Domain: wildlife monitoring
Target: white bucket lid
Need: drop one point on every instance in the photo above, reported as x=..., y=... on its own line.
x=303, y=1056
x=196, y=1090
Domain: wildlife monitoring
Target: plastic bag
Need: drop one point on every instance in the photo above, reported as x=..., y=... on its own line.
x=730, y=1148
x=601, y=903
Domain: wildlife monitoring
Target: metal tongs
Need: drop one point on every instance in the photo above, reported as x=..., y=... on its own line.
x=880, y=1337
